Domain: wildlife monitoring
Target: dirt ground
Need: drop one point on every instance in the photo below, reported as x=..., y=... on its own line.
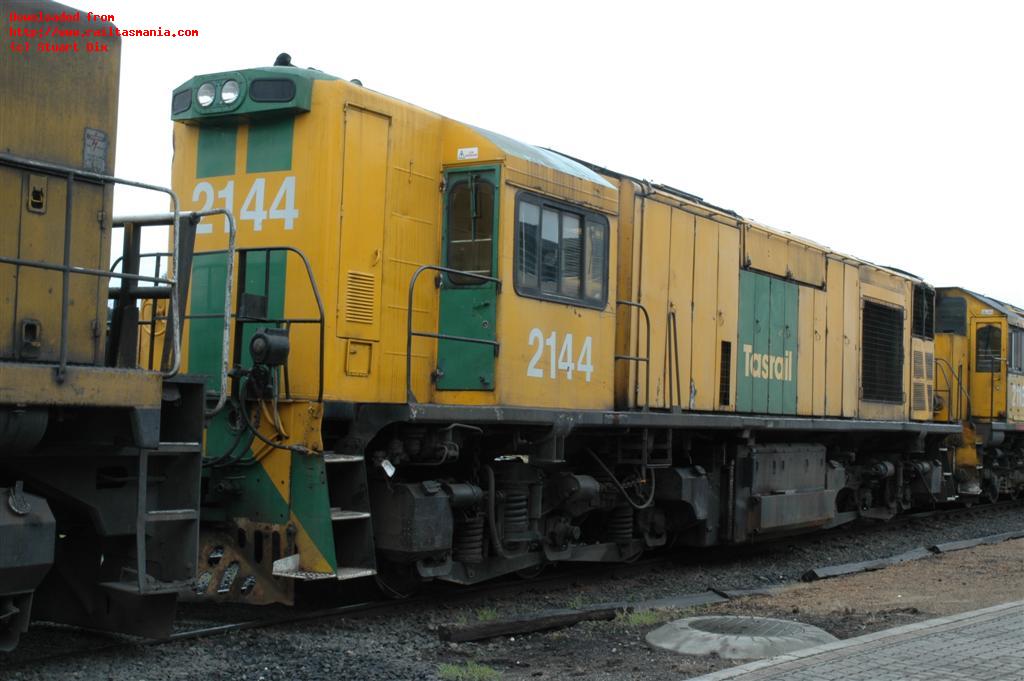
x=845, y=607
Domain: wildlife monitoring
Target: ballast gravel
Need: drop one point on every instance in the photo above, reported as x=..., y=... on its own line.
x=407, y=647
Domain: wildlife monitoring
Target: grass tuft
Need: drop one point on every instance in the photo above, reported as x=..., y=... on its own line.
x=644, y=618
x=486, y=614
x=471, y=671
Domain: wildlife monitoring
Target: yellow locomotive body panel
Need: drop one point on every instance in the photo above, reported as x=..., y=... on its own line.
x=73, y=136
x=744, y=318
x=366, y=174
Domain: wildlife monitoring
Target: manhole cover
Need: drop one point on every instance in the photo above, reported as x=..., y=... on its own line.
x=737, y=638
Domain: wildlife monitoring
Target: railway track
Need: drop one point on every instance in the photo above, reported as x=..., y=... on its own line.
x=562, y=578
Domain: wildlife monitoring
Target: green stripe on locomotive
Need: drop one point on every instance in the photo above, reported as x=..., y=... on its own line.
x=767, y=353
x=245, y=488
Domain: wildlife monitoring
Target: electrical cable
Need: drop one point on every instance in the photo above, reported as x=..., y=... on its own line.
x=639, y=507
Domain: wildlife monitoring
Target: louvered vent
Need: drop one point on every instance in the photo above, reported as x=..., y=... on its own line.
x=918, y=364
x=359, y=304
x=929, y=366
x=919, y=397
x=931, y=398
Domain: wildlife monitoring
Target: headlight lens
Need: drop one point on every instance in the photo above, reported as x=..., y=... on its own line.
x=229, y=91
x=205, y=94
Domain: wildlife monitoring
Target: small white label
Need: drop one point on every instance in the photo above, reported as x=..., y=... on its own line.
x=469, y=153
x=388, y=467
x=988, y=312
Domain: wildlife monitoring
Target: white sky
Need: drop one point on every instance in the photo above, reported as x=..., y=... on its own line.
x=888, y=130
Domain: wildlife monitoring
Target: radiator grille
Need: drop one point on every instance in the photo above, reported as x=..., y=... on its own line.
x=882, y=353
x=919, y=396
x=725, y=375
x=929, y=366
x=918, y=364
x=359, y=302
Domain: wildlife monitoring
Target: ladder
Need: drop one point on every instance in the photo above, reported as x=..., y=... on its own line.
x=349, y=497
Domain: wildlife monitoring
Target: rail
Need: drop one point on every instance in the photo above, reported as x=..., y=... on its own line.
x=67, y=269
x=646, y=359
x=410, y=333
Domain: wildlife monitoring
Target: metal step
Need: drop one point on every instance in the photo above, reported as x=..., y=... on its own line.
x=355, y=572
x=175, y=448
x=303, y=575
x=334, y=457
x=152, y=587
x=172, y=515
x=341, y=514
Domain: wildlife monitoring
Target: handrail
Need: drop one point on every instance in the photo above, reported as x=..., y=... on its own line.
x=960, y=390
x=165, y=219
x=410, y=396
x=646, y=359
x=71, y=174
x=319, y=320
x=225, y=351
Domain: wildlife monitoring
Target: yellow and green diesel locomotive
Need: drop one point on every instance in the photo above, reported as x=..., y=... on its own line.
x=980, y=368
x=99, y=455
x=458, y=356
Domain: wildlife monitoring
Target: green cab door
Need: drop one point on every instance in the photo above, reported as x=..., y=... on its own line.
x=468, y=304
x=987, y=394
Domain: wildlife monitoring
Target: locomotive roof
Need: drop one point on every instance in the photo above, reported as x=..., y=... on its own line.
x=1013, y=314
x=544, y=157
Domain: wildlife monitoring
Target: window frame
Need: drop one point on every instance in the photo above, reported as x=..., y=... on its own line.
x=586, y=217
x=449, y=186
x=988, y=362
x=923, y=312
x=1015, y=350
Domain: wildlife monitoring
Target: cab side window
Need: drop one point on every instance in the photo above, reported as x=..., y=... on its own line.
x=561, y=252
x=470, y=229
x=988, y=351
x=1015, y=361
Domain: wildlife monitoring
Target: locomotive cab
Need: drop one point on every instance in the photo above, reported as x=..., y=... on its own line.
x=980, y=354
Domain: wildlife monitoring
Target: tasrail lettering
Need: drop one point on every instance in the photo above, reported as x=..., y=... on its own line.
x=766, y=366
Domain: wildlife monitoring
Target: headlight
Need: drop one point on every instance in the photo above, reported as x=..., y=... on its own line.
x=205, y=94
x=229, y=91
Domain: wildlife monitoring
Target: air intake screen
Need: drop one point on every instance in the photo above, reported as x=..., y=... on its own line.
x=882, y=353
x=725, y=377
x=361, y=298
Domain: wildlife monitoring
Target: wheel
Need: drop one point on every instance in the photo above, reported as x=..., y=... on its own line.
x=530, y=572
x=990, y=490
x=397, y=580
